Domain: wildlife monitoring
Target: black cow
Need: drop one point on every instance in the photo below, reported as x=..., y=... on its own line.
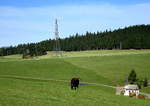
x=74, y=83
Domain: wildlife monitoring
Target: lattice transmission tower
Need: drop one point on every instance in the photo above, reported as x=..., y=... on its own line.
x=57, y=40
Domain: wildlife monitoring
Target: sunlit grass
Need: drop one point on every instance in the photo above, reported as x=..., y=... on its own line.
x=105, y=67
x=35, y=93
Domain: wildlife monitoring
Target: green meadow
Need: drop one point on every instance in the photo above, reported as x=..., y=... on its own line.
x=110, y=67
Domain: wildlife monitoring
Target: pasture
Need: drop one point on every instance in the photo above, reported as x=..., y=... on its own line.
x=109, y=67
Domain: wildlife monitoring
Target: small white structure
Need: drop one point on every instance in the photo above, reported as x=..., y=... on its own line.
x=119, y=90
x=131, y=90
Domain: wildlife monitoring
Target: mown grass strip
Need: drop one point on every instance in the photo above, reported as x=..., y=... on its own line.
x=30, y=78
x=41, y=79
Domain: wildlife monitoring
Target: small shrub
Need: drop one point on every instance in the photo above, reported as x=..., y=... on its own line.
x=145, y=83
x=141, y=96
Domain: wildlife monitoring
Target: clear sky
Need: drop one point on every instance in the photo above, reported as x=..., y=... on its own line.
x=26, y=21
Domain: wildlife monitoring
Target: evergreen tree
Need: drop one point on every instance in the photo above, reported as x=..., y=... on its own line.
x=132, y=77
x=1, y=51
x=145, y=83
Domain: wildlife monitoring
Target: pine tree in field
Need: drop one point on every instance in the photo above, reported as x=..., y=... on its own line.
x=132, y=77
x=145, y=83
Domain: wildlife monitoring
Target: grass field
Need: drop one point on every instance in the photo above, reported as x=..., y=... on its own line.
x=109, y=67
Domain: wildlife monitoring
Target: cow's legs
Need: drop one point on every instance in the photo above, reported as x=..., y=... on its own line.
x=75, y=88
x=71, y=87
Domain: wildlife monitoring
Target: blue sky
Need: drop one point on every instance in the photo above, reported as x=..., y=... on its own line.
x=25, y=21
x=31, y=3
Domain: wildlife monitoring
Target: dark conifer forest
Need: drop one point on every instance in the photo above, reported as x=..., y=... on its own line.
x=132, y=37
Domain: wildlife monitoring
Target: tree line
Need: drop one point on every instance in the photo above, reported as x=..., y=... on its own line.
x=132, y=37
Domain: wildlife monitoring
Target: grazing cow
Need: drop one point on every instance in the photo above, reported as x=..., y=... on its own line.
x=74, y=83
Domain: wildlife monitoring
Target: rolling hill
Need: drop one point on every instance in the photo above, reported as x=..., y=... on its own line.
x=109, y=67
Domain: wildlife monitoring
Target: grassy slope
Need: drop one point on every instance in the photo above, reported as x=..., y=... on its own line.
x=35, y=93
x=53, y=69
x=115, y=68
x=102, y=69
